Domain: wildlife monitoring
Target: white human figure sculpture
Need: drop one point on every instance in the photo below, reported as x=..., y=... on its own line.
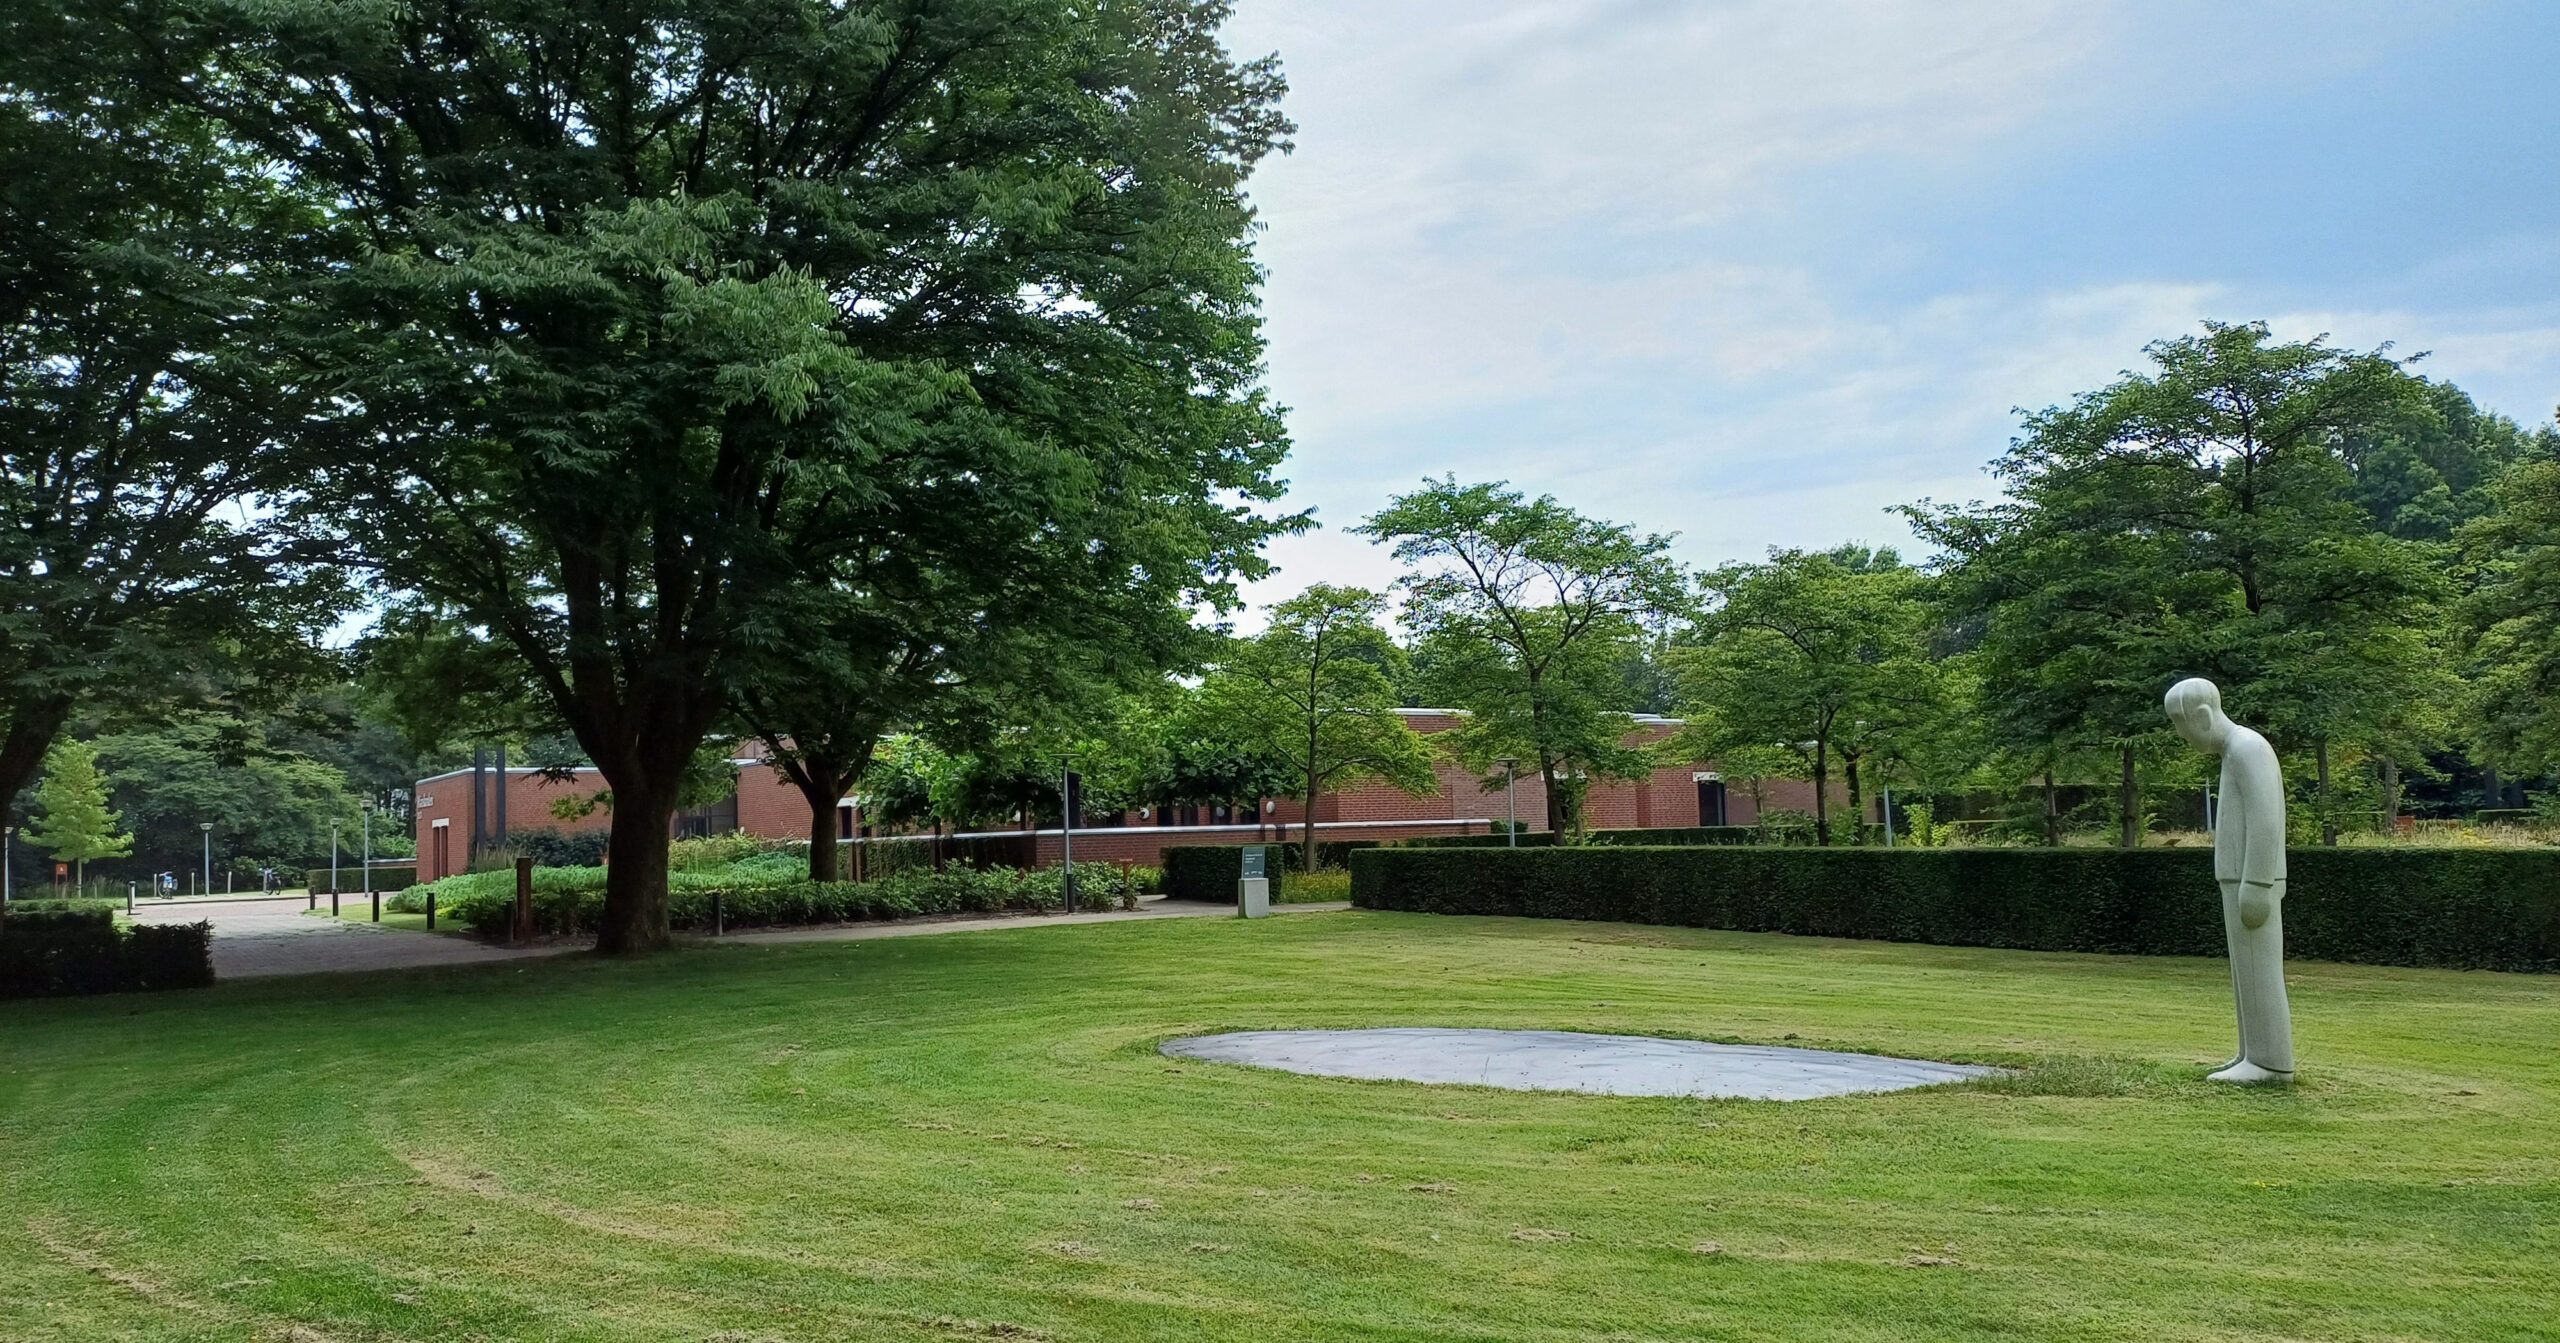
x=2248, y=859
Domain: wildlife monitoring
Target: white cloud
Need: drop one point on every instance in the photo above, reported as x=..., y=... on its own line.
x=1618, y=250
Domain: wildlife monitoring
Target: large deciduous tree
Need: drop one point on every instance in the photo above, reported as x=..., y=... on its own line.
x=669, y=308
x=2200, y=519
x=146, y=397
x=2512, y=618
x=1314, y=689
x=1527, y=612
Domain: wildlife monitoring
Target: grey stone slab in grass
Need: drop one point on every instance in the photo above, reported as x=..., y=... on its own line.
x=1614, y=1065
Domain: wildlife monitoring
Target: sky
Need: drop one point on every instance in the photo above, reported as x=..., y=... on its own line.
x=1752, y=272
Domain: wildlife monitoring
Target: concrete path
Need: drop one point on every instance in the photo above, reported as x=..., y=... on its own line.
x=253, y=938
x=257, y=938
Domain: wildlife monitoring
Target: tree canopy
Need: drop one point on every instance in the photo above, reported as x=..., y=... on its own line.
x=1526, y=613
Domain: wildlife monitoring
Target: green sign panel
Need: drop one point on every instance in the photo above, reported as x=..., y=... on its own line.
x=1252, y=861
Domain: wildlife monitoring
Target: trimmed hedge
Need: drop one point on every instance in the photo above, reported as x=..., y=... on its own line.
x=487, y=909
x=1669, y=836
x=1210, y=871
x=351, y=878
x=49, y=953
x=2485, y=909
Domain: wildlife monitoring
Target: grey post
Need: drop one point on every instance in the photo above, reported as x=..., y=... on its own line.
x=207, y=828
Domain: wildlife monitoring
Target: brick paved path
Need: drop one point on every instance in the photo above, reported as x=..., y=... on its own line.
x=254, y=938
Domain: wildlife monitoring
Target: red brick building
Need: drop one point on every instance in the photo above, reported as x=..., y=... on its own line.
x=766, y=804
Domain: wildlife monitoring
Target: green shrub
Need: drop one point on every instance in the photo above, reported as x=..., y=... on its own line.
x=2494, y=909
x=168, y=955
x=44, y=953
x=1674, y=836
x=578, y=907
x=1210, y=871
x=49, y=905
x=551, y=848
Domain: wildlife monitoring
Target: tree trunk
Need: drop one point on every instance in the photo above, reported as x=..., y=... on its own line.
x=1857, y=799
x=1307, y=854
x=2390, y=797
x=2052, y=812
x=822, y=830
x=635, y=883
x=2128, y=805
x=2328, y=801
x=1822, y=793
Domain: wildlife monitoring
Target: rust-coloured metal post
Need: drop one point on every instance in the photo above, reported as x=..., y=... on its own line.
x=524, y=900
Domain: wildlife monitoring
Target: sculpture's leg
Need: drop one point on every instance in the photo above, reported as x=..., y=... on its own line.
x=2232, y=936
x=2266, y=1017
x=2265, y=1007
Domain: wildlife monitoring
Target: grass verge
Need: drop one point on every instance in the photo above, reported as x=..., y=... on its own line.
x=971, y=1135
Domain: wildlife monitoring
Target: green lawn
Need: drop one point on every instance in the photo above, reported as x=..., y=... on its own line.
x=971, y=1136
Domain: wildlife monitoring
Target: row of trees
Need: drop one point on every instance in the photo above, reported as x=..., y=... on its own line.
x=2362, y=558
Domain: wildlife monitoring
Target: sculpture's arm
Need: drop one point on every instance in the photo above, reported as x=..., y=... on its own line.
x=2262, y=849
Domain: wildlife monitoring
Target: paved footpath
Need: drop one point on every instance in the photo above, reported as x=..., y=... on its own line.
x=254, y=938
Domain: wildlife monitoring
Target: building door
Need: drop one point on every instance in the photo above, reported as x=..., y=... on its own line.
x=1711, y=802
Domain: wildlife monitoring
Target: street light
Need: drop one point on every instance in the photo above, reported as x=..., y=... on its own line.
x=207, y=828
x=8, y=852
x=333, y=856
x=368, y=866
x=1511, y=797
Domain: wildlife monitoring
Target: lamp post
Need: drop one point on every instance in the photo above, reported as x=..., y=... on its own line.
x=1511, y=799
x=368, y=866
x=207, y=828
x=8, y=854
x=333, y=853
x=1067, y=825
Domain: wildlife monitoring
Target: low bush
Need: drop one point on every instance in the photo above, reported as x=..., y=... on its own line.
x=46, y=953
x=49, y=905
x=2491, y=909
x=1210, y=872
x=1687, y=836
x=168, y=956
x=551, y=848
x=578, y=907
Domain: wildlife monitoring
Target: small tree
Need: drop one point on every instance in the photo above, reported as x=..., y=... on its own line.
x=1824, y=654
x=1313, y=689
x=77, y=825
x=1528, y=612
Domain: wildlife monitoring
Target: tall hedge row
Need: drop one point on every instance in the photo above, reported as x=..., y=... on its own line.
x=50, y=953
x=2490, y=909
x=1682, y=836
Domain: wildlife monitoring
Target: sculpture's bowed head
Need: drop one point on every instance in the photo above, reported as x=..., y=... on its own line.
x=2195, y=710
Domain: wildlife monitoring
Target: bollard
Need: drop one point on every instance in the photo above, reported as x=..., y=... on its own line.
x=377, y=906
x=431, y=911
x=524, y=900
x=718, y=920
x=333, y=900
x=314, y=906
